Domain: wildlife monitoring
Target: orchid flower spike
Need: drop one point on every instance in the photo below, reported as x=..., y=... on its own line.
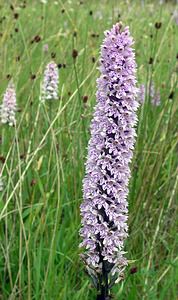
x=104, y=210
x=50, y=82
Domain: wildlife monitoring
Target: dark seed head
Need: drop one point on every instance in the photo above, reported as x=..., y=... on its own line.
x=33, y=182
x=150, y=61
x=53, y=55
x=158, y=25
x=33, y=76
x=90, y=13
x=93, y=59
x=2, y=158
x=16, y=15
x=8, y=76
x=18, y=58
x=85, y=99
x=74, y=53
x=75, y=33
x=16, y=29
x=59, y=66
x=171, y=95
x=63, y=11
x=37, y=39
x=133, y=270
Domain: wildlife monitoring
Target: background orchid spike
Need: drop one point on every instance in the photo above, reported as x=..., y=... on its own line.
x=104, y=210
x=8, y=107
x=50, y=82
x=154, y=95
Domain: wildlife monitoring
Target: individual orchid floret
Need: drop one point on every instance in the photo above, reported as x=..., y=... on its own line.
x=50, y=82
x=104, y=209
x=8, y=107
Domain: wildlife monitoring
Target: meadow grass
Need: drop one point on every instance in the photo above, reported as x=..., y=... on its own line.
x=42, y=158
